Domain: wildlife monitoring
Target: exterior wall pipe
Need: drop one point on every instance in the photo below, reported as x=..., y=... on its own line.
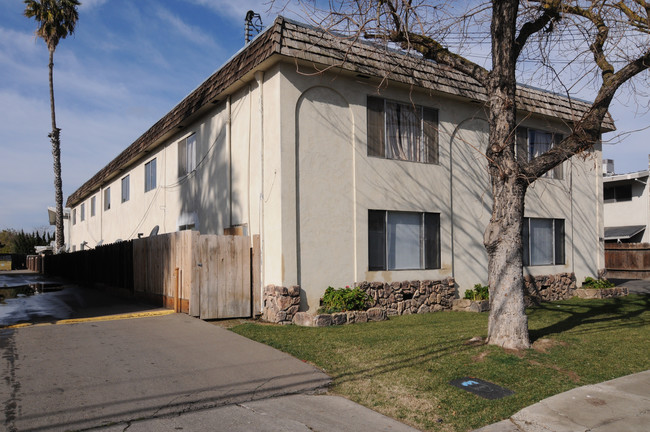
x=259, y=77
x=229, y=141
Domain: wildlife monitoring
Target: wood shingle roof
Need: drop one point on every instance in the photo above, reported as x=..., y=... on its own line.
x=290, y=39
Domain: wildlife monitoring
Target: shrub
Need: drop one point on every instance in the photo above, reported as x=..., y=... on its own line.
x=592, y=283
x=480, y=292
x=343, y=299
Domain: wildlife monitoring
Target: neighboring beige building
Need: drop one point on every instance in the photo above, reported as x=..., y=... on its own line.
x=626, y=205
x=353, y=163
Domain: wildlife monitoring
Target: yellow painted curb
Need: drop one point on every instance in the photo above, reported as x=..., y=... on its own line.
x=96, y=319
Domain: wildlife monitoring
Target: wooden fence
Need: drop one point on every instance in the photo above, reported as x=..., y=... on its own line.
x=208, y=276
x=35, y=263
x=627, y=260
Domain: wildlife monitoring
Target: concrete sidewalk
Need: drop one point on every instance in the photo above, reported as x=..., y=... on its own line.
x=622, y=404
x=294, y=413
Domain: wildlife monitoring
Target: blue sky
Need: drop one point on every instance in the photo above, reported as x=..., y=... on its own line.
x=127, y=65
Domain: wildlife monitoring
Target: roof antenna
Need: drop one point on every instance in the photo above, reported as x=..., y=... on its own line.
x=253, y=22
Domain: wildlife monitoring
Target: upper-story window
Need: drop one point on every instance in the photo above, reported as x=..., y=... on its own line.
x=126, y=190
x=82, y=212
x=150, y=175
x=93, y=202
x=74, y=216
x=187, y=155
x=617, y=193
x=402, y=131
x=107, y=198
x=532, y=143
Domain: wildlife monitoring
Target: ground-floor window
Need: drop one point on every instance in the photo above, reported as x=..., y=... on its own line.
x=543, y=241
x=403, y=240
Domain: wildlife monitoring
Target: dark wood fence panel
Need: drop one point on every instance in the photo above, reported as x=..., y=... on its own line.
x=110, y=265
x=627, y=260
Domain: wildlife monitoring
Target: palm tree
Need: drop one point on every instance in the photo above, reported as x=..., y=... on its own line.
x=56, y=19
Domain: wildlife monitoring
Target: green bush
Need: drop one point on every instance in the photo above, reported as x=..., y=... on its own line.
x=343, y=299
x=592, y=283
x=480, y=292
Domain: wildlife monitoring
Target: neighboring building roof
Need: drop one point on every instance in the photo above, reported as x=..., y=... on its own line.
x=628, y=176
x=290, y=39
x=622, y=232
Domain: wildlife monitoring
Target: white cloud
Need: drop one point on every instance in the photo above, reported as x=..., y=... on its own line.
x=191, y=33
x=91, y=4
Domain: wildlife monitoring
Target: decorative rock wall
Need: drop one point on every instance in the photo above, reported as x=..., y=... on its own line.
x=339, y=318
x=409, y=297
x=466, y=305
x=549, y=288
x=280, y=304
x=590, y=293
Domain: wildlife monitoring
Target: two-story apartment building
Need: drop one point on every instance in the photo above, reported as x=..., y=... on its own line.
x=352, y=162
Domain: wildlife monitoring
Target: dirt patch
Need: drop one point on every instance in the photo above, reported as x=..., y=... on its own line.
x=475, y=341
x=570, y=374
x=230, y=323
x=481, y=357
x=543, y=345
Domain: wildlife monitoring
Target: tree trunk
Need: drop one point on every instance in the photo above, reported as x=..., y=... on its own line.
x=508, y=324
x=56, y=155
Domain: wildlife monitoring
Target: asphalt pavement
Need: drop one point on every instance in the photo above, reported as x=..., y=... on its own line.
x=170, y=372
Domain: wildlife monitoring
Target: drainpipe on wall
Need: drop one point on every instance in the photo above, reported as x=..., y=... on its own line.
x=573, y=243
x=259, y=77
x=229, y=141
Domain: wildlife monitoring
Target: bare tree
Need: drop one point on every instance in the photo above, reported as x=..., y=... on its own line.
x=610, y=32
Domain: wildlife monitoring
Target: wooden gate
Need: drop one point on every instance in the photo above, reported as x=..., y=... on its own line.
x=223, y=271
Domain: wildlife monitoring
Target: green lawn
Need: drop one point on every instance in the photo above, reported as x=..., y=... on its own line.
x=402, y=367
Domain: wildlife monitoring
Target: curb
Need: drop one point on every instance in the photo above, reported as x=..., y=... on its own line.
x=94, y=319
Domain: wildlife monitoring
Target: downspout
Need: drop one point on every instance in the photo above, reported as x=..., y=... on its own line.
x=229, y=144
x=101, y=215
x=259, y=77
x=573, y=242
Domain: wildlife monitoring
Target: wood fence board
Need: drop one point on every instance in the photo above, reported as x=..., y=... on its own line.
x=256, y=270
x=194, y=285
x=213, y=280
x=222, y=274
x=244, y=251
x=203, y=275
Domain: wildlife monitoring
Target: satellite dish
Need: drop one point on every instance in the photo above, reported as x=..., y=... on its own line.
x=154, y=231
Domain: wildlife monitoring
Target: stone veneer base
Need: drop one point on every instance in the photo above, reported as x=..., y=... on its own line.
x=281, y=304
x=590, y=293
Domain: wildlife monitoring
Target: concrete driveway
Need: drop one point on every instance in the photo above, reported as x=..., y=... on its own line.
x=634, y=286
x=80, y=376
